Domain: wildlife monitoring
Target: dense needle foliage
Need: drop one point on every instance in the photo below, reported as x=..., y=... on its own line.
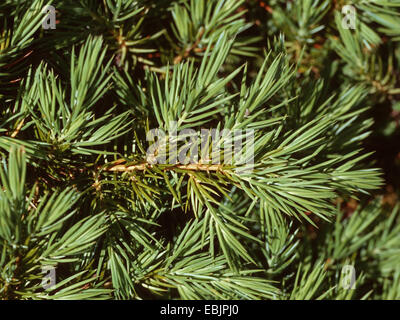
x=80, y=192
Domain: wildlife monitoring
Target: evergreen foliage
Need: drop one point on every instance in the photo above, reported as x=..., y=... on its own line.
x=80, y=192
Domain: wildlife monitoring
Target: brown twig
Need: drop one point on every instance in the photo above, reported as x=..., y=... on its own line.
x=145, y=165
x=8, y=66
x=193, y=47
x=17, y=130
